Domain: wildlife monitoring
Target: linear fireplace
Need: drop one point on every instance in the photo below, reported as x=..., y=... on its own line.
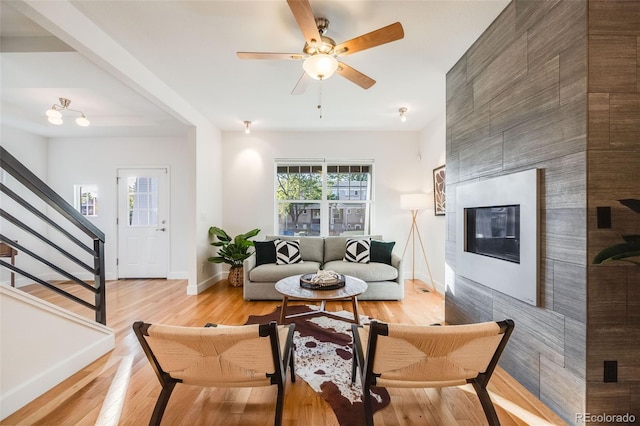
x=497, y=220
x=494, y=231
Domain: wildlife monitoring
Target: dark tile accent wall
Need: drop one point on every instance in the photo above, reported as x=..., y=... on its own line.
x=613, y=318
x=518, y=100
x=555, y=85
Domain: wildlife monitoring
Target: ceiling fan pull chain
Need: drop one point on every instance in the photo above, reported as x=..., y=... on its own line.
x=320, y=97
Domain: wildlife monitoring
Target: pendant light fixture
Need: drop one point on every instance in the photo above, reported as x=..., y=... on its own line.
x=54, y=115
x=402, y=112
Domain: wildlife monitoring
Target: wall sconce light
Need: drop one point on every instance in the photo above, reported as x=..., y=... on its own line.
x=247, y=127
x=55, y=116
x=402, y=112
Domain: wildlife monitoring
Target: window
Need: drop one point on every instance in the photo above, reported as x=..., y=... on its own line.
x=337, y=196
x=86, y=199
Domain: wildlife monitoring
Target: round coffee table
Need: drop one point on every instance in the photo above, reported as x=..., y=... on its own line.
x=290, y=289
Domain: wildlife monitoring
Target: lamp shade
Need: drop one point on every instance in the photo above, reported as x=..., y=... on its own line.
x=414, y=201
x=320, y=66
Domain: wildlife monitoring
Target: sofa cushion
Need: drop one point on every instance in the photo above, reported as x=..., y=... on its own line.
x=287, y=252
x=365, y=271
x=272, y=272
x=265, y=252
x=381, y=251
x=310, y=247
x=335, y=247
x=357, y=250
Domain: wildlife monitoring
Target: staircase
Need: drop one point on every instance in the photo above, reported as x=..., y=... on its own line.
x=59, y=249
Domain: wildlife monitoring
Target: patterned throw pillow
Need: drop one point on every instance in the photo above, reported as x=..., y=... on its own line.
x=287, y=252
x=358, y=250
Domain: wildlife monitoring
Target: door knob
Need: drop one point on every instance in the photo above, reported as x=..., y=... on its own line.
x=161, y=229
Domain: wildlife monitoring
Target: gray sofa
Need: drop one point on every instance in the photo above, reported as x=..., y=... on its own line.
x=385, y=281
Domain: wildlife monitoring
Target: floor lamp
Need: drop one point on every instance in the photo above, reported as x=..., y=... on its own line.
x=415, y=203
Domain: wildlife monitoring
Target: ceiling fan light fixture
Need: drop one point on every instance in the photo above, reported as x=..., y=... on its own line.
x=320, y=51
x=320, y=66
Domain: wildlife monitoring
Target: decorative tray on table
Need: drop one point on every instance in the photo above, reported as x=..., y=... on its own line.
x=322, y=280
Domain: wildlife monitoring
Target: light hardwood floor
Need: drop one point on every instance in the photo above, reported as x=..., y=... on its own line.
x=121, y=388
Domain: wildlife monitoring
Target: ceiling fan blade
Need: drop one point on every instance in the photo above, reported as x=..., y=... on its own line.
x=302, y=84
x=301, y=10
x=355, y=76
x=265, y=55
x=375, y=38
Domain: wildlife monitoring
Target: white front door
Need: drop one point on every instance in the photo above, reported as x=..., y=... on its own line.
x=143, y=237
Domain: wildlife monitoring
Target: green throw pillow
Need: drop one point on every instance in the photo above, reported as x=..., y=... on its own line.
x=265, y=252
x=381, y=251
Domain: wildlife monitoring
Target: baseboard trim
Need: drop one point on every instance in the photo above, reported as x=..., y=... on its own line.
x=202, y=286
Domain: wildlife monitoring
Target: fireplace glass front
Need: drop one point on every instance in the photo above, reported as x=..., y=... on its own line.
x=494, y=232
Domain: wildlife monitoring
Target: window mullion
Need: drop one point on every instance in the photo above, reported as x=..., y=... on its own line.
x=324, y=205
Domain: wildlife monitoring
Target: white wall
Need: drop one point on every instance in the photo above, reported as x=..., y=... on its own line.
x=433, y=228
x=32, y=151
x=95, y=161
x=248, y=175
x=207, y=157
x=42, y=345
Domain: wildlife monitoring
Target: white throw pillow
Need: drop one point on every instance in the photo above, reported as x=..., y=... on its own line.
x=287, y=252
x=358, y=250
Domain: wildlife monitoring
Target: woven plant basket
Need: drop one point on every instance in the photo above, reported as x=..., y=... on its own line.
x=236, y=276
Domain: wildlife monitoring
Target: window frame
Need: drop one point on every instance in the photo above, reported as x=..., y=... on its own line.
x=78, y=191
x=325, y=203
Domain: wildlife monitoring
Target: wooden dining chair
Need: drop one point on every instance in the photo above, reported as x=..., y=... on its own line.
x=217, y=356
x=426, y=356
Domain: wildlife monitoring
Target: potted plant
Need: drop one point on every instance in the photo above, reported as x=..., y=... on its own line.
x=233, y=251
x=630, y=247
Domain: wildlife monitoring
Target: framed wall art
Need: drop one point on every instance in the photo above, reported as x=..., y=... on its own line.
x=439, y=206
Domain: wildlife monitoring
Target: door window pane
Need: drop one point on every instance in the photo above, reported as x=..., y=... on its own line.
x=143, y=201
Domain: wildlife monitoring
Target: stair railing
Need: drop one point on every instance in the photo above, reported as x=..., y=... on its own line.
x=75, y=221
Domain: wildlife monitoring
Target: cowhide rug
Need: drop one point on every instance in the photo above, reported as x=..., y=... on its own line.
x=323, y=359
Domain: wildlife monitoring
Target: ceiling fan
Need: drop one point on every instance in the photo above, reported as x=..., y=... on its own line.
x=320, y=53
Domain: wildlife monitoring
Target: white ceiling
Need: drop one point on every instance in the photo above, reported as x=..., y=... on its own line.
x=191, y=47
